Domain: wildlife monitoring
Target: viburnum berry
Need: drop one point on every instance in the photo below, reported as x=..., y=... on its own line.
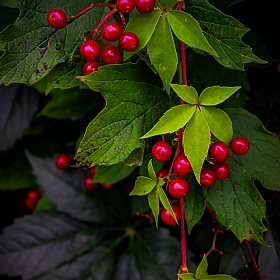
x=182, y=166
x=57, y=19
x=240, y=146
x=90, y=50
x=178, y=187
x=162, y=173
x=218, y=151
x=88, y=185
x=125, y=6
x=31, y=200
x=222, y=171
x=90, y=67
x=129, y=41
x=63, y=161
x=106, y=186
x=207, y=177
x=167, y=217
x=112, y=31
x=145, y=6
x=161, y=151
x=112, y=55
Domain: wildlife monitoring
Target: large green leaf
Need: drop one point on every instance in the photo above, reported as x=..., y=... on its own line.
x=224, y=34
x=133, y=103
x=162, y=52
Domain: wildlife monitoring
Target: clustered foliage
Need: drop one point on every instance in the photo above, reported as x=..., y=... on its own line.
x=124, y=121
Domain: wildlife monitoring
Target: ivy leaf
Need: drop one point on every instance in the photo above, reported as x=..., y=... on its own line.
x=219, y=123
x=143, y=186
x=187, y=93
x=151, y=170
x=215, y=95
x=196, y=141
x=143, y=25
x=187, y=29
x=172, y=120
x=162, y=52
x=133, y=102
x=202, y=268
x=154, y=203
x=224, y=34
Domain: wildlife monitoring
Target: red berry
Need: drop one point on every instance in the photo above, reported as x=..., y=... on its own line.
x=222, y=171
x=90, y=67
x=145, y=6
x=106, y=186
x=182, y=166
x=207, y=177
x=161, y=151
x=57, y=19
x=112, y=55
x=218, y=151
x=90, y=50
x=162, y=173
x=129, y=41
x=125, y=6
x=178, y=187
x=167, y=217
x=239, y=146
x=63, y=161
x=92, y=170
x=88, y=185
x=112, y=32
x=32, y=199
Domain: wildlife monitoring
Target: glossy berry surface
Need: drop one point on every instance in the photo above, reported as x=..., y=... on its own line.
x=57, y=19
x=240, y=146
x=90, y=67
x=112, y=55
x=178, y=187
x=182, y=166
x=32, y=199
x=106, y=186
x=161, y=151
x=207, y=177
x=167, y=217
x=63, y=161
x=125, y=6
x=145, y=6
x=222, y=171
x=129, y=41
x=88, y=185
x=90, y=50
x=162, y=173
x=219, y=152
x=112, y=32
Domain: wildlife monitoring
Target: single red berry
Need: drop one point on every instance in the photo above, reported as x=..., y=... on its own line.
x=167, y=217
x=112, y=32
x=32, y=199
x=125, y=6
x=112, y=55
x=162, y=173
x=182, y=166
x=222, y=171
x=90, y=67
x=90, y=50
x=207, y=177
x=145, y=6
x=92, y=170
x=88, y=185
x=129, y=41
x=239, y=146
x=218, y=151
x=63, y=161
x=106, y=186
x=161, y=151
x=178, y=187
x=57, y=19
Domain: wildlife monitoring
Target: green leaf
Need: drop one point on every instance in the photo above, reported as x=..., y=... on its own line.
x=187, y=276
x=151, y=170
x=187, y=93
x=224, y=34
x=167, y=4
x=196, y=141
x=133, y=102
x=187, y=29
x=219, y=123
x=143, y=25
x=162, y=52
x=143, y=186
x=135, y=158
x=202, y=268
x=215, y=95
x=172, y=120
x=154, y=203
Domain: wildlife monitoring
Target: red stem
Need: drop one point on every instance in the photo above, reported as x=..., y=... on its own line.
x=82, y=12
x=183, y=240
x=104, y=42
